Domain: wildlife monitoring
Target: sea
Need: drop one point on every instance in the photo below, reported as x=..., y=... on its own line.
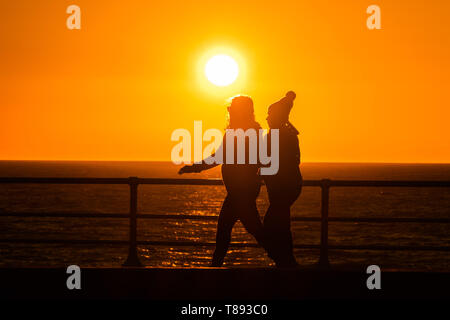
x=207, y=200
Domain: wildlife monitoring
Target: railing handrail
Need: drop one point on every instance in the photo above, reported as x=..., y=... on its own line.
x=218, y=182
x=62, y=214
x=134, y=182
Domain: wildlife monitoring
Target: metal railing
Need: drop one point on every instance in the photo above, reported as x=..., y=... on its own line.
x=134, y=182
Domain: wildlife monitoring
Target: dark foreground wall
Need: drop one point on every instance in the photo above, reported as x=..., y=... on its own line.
x=215, y=284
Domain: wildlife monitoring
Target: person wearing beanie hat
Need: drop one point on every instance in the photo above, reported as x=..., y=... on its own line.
x=284, y=187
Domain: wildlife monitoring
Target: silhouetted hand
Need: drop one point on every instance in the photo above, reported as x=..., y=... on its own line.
x=188, y=169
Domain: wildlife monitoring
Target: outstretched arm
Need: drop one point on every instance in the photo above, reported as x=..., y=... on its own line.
x=197, y=167
x=206, y=164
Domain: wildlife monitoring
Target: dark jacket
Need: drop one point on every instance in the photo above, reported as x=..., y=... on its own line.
x=287, y=182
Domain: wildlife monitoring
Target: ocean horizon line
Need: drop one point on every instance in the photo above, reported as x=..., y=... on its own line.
x=168, y=161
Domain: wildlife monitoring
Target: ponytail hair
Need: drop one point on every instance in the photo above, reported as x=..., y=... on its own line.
x=241, y=114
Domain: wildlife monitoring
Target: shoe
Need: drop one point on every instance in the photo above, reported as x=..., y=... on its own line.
x=216, y=262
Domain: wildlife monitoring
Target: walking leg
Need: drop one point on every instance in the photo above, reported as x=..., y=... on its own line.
x=227, y=219
x=252, y=223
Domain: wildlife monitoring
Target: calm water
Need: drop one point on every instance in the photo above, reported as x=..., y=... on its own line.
x=370, y=202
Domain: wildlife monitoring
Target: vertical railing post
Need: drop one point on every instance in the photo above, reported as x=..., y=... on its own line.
x=323, y=260
x=133, y=259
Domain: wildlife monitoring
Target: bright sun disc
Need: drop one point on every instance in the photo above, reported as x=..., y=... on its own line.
x=221, y=70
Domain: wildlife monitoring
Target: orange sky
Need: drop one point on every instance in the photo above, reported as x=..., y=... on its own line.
x=117, y=88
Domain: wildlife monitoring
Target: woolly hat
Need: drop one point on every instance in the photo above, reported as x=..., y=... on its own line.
x=281, y=109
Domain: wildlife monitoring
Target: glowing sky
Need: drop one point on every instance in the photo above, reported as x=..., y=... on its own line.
x=117, y=88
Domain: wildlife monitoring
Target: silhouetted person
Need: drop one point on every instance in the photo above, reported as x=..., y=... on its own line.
x=242, y=183
x=285, y=186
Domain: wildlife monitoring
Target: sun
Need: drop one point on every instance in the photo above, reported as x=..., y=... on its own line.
x=221, y=70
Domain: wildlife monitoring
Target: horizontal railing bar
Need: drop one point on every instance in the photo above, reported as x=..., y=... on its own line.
x=211, y=217
x=218, y=182
x=125, y=242
x=105, y=215
x=304, y=219
x=194, y=243
x=45, y=180
x=85, y=180
x=389, y=248
x=233, y=244
x=213, y=244
x=65, y=215
x=311, y=183
x=176, y=216
x=66, y=241
x=388, y=220
x=388, y=183
x=206, y=182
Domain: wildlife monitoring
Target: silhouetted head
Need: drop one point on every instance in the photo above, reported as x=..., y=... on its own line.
x=241, y=113
x=278, y=113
